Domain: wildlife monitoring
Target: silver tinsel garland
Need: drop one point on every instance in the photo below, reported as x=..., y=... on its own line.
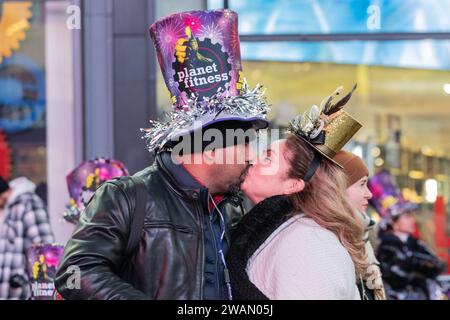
x=251, y=103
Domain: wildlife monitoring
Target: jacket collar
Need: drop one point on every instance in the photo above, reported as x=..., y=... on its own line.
x=186, y=185
x=178, y=178
x=391, y=239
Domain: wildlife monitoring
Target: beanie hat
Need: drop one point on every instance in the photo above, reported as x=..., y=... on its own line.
x=354, y=167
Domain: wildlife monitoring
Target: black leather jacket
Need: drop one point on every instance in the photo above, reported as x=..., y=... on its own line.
x=169, y=261
x=406, y=265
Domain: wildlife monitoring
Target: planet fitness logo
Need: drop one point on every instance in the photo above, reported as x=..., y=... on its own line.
x=200, y=66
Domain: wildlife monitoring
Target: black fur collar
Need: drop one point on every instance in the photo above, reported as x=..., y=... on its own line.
x=254, y=228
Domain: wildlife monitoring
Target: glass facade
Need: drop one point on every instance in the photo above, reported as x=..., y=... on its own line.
x=338, y=17
x=39, y=119
x=22, y=90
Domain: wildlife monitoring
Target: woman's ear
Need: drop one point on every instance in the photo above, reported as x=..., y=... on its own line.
x=294, y=186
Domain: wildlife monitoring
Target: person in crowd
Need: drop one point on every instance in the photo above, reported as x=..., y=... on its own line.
x=24, y=221
x=371, y=284
x=408, y=266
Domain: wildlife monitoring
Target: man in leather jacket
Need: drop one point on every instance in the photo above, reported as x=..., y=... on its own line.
x=406, y=263
x=178, y=253
x=192, y=204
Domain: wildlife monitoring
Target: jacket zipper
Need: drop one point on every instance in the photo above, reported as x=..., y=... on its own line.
x=202, y=247
x=211, y=215
x=221, y=206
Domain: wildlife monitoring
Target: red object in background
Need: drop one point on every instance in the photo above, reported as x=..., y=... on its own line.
x=5, y=157
x=441, y=239
x=416, y=234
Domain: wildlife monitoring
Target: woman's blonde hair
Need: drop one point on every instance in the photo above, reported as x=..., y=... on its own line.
x=324, y=199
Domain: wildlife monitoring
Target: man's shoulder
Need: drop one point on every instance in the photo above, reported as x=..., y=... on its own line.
x=127, y=182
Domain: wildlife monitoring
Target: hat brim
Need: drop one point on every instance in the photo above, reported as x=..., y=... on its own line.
x=406, y=207
x=212, y=118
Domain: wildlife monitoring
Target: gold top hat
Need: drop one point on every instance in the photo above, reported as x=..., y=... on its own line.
x=327, y=128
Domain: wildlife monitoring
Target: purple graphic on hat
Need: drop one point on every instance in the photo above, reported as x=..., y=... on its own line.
x=43, y=260
x=85, y=179
x=198, y=52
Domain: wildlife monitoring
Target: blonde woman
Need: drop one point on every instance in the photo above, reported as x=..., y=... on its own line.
x=302, y=240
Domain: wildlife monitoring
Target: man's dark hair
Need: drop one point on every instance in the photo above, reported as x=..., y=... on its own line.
x=226, y=129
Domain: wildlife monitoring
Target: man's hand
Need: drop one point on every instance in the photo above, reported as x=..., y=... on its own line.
x=187, y=45
x=240, y=82
x=180, y=49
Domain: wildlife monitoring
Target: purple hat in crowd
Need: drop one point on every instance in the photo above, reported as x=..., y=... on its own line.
x=200, y=59
x=85, y=179
x=387, y=199
x=42, y=261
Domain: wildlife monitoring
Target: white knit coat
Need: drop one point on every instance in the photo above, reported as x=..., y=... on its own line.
x=302, y=260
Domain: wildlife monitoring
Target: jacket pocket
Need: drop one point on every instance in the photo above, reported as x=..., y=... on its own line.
x=168, y=225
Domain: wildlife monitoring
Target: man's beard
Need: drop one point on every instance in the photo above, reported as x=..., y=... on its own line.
x=235, y=187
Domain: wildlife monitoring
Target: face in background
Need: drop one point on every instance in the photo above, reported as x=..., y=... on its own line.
x=359, y=194
x=269, y=175
x=405, y=223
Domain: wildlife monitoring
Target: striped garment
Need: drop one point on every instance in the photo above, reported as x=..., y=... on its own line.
x=26, y=222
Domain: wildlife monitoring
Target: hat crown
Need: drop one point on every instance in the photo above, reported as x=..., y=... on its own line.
x=327, y=128
x=199, y=54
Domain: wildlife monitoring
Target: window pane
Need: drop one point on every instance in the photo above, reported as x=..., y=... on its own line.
x=22, y=90
x=403, y=110
x=430, y=54
x=332, y=16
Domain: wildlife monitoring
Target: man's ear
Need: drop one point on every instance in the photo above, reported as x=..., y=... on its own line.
x=294, y=186
x=209, y=155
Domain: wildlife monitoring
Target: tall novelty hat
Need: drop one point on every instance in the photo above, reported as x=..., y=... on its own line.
x=43, y=260
x=326, y=128
x=85, y=179
x=199, y=55
x=386, y=197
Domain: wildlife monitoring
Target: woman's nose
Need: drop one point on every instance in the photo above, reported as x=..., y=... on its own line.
x=369, y=194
